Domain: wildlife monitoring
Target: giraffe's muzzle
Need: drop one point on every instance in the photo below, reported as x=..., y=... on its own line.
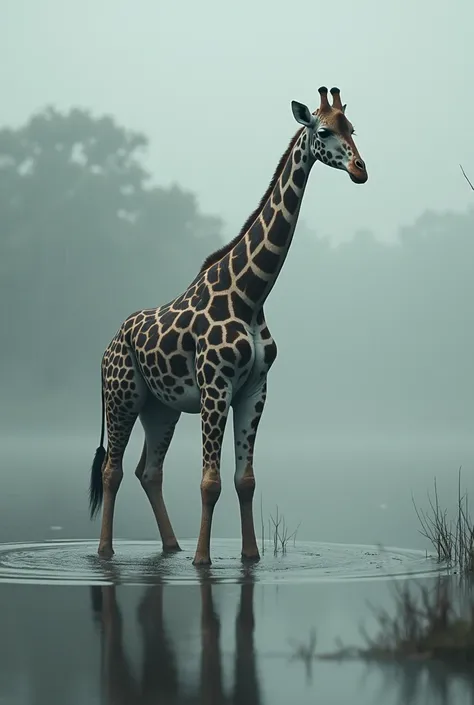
x=358, y=171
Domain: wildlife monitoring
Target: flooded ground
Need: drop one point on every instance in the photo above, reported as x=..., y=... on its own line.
x=143, y=629
x=196, y=639
x=139, y=562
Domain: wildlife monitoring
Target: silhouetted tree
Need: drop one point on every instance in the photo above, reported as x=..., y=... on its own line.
x=85, y=239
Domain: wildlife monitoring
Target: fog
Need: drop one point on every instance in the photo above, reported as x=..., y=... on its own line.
x=372, y=392
x=135, y=139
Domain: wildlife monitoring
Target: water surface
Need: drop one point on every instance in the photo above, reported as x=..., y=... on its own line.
x=140, y=629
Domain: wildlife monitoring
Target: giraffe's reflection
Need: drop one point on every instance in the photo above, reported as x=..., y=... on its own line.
x=159, y=678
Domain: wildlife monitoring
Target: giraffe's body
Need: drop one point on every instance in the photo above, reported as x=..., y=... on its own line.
x=163, y=352
x=210, y=348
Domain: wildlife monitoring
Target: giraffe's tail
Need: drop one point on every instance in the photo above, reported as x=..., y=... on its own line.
x=96, y=490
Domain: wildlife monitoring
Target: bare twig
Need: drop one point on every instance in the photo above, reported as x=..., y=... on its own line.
x=281, y=533
x=465, y=176
x=306, y=653
x=452, y=540
x=428, y=628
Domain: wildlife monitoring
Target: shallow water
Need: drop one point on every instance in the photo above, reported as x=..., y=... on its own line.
x=138, y=562
x=142, y=628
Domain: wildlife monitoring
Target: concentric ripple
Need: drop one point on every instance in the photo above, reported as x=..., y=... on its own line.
x=75, y=562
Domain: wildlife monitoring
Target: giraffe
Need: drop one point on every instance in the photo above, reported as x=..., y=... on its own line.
x=210, y=349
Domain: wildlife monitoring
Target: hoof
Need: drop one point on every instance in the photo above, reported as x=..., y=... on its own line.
x=105, y=551
x=171, y=548
x=250, y=557
x=202, y=561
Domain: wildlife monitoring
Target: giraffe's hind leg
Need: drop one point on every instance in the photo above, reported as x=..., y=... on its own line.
x=124, y=399
x=119, y=428
x=159, y=422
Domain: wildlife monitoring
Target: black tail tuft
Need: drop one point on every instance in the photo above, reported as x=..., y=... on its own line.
x=96, y=490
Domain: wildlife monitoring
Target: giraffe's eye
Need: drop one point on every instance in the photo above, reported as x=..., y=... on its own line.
x=324, y=132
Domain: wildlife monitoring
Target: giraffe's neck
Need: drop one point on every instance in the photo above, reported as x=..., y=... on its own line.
x=257, y=258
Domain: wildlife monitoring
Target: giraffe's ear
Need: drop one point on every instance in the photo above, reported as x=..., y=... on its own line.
x=302, y=114
x=344, y=107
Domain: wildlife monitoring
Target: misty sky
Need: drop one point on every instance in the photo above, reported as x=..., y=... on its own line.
x=211, y=84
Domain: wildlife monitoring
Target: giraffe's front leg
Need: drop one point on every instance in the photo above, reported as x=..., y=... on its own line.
x=248, y=409
x=215, y=404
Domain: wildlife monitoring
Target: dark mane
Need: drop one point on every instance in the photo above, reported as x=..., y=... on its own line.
x=221, y=252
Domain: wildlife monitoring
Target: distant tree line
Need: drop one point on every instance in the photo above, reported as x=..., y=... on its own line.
x=384, y=331
x=365, y=330
x=85, y=240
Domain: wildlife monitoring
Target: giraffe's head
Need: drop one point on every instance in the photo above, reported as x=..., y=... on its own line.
x=331, y=135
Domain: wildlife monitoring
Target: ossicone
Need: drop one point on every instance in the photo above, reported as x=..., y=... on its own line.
x=336, y=99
